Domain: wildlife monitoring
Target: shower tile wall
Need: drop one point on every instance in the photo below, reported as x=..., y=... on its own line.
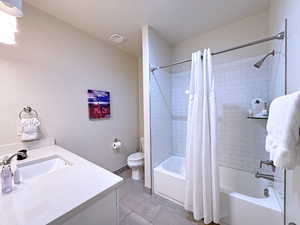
x=180, y=83
x=241, y=140
x=161, y=118
x=160, y=98
x=277, y=89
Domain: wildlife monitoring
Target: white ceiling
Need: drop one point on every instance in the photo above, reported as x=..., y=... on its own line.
x=176, y=20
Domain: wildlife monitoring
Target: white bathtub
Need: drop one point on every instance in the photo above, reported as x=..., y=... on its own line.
x=243, y=200
x=169, y=174
x=242, y=195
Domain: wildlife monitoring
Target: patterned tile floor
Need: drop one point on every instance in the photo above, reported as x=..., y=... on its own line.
x=140, y=208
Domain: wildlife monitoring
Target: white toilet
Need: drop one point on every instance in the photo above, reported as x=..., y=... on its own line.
x=136, y=162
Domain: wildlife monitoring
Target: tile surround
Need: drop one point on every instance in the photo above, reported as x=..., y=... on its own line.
x=161, y=116
x=241, y=141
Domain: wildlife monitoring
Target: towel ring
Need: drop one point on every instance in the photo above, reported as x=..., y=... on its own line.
x=28, y=110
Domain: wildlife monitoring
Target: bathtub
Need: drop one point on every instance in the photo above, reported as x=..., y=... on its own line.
x=168, y=174
x=243, y=200
x=242, y=195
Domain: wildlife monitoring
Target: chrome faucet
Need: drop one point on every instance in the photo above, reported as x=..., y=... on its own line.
x=7, y=160
x=265, y=176
x=268, y=163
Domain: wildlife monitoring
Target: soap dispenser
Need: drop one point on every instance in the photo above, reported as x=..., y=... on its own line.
x=7, y=174
x=6, y=179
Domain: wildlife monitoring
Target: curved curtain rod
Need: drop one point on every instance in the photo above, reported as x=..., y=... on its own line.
x=279, y=36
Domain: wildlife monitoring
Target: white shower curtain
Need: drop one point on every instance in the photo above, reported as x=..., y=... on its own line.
x=202, y=180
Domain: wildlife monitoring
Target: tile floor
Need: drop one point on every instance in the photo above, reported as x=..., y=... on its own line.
x=140, y=208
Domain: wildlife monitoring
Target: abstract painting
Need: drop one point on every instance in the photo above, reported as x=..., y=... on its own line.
x=99, y=104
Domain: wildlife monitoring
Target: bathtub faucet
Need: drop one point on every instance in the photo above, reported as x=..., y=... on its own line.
x=265, y=176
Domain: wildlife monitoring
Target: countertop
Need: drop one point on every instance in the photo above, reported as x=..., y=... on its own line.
x=41, y=200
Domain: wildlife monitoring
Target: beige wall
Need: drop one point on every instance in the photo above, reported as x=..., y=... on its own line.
x=237, y=33
x=280, y=10
x=50, y=68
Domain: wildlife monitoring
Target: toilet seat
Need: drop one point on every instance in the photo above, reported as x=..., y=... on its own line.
x=136, y=156
x=136, y=159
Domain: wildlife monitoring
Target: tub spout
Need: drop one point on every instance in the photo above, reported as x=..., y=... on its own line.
x=265, y=176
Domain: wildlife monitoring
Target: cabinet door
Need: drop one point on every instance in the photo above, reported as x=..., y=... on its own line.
x=98, y=211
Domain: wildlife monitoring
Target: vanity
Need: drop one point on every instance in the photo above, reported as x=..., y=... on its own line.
x=59, y=188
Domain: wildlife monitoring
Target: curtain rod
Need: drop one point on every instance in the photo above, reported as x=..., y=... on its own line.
x=279, y=36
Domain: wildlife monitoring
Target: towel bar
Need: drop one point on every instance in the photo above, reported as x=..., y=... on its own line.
x=28, y=110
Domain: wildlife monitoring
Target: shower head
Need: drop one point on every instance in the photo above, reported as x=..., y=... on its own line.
x=260, y=62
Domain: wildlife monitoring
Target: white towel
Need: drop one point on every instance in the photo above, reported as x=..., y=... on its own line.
x=29, y=129
x=283, y=130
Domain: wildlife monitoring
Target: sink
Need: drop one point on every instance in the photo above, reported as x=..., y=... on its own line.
x=42, y=167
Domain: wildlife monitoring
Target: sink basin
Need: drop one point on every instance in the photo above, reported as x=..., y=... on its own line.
x=42, y=167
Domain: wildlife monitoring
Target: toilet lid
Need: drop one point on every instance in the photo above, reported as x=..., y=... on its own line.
x=136, y=156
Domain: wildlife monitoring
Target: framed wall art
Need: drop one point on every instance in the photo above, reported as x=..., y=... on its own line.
x=99, y=104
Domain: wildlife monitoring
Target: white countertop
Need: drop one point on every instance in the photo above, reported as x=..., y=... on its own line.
x=41, y=200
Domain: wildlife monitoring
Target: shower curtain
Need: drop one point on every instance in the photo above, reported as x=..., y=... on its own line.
x=202, y=181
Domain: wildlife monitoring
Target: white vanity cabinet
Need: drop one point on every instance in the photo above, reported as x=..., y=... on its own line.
x=61, y=188
x=101, y=210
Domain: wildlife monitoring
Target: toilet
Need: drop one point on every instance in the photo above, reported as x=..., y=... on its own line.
x=135, y=161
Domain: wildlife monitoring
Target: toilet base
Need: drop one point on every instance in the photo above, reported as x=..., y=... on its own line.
x=137, y=173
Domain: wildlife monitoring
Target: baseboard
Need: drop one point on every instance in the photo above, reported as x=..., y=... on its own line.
x=119, y=171
x=148, y=190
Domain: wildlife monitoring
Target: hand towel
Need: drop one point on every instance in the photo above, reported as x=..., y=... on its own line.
x=29, y=129
x=283, y=126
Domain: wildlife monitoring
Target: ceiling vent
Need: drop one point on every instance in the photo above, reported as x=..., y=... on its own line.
x=117, y=38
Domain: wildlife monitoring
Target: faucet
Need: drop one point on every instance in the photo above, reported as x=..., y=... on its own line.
x=268, y=163
x=7, y=160
x=265, y=176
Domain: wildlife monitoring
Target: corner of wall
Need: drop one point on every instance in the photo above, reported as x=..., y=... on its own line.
x=146, y=100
